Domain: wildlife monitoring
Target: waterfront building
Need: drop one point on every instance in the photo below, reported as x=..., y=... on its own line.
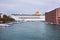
x=53, y=16
x=28, y=17
x=1, y=15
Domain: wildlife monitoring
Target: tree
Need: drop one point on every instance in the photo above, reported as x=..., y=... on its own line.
x=7, y=19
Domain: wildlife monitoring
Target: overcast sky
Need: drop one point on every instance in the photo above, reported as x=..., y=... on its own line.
x=28, y=6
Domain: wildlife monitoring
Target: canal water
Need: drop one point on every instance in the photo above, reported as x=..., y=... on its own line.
x=30, y=31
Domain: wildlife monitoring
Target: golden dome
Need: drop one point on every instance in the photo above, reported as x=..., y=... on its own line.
x=37, y=13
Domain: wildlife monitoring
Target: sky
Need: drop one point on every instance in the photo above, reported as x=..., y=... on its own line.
x=27, y=6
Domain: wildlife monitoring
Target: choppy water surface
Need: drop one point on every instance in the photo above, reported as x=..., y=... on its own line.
x=30, y=31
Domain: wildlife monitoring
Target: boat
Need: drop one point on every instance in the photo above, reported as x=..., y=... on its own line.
x=2, y=25
x=10, y=23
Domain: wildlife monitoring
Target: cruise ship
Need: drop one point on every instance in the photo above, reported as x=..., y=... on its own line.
x=28, y=17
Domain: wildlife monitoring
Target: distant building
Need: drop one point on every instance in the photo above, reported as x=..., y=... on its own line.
x=1, y=15
x=53, y=16
x=27, y=17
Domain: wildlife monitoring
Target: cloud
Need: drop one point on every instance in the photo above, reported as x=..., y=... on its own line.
x=7, y=6
x=28, y=6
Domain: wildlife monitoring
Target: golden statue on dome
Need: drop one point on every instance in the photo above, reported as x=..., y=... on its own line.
x=37, y=13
